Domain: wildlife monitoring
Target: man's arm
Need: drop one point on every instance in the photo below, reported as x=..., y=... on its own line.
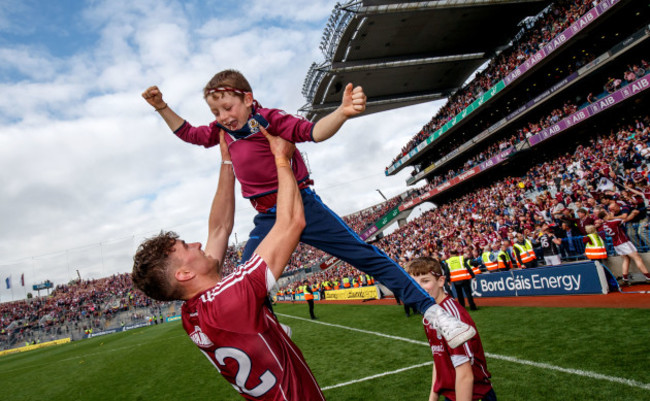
x=153, y=96
x=353, y=104
x=278, y=245
x=464, y=382
x=222, y=212
x=556, y=240
x=469, y=263
x=631, y=216
x=517, y=255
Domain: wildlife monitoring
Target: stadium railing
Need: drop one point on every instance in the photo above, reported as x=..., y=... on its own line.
x=573, y=248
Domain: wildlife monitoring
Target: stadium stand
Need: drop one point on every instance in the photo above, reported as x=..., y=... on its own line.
x=74, y=308
x=547, y=25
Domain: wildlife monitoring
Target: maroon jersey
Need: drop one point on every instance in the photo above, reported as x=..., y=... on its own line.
x=244, y=341
x=583, y=223
x=252, y=160
x=614, y=228
x=446, y=359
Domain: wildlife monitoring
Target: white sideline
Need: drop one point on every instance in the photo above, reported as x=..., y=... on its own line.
x=541, y=365
x=376, y=376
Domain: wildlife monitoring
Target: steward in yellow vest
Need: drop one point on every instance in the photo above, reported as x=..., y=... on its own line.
x=503, y=259
x=489, y=260
x=594, y=245
x=524, y=253
x=461, y=274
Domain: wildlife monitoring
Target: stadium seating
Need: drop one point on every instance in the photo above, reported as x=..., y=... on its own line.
x=557, y=18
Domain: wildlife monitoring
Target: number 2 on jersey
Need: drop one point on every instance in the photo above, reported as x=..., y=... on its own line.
x=267, y=380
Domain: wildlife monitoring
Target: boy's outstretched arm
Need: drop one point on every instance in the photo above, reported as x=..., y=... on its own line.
x=153, y=96
x=353, y=104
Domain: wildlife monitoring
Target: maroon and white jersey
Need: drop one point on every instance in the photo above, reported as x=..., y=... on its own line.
x=646, y=195
x=446, y=359
x=614, y=228
x=243, y=339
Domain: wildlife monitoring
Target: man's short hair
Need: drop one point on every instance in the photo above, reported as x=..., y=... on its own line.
x=151, y=273
x=424, y=265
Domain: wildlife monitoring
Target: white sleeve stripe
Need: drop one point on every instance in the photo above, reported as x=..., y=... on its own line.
x=458, y=360
x=270, y=280
x=238, y=276
x=453, y=310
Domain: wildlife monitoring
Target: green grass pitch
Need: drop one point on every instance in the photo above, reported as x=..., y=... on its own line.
x=161, y=363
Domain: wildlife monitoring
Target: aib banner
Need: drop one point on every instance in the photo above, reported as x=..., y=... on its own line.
x=566, y=279
x=619, y=96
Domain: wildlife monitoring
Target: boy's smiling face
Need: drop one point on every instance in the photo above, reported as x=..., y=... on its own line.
x=230, y=110
x=434, y=285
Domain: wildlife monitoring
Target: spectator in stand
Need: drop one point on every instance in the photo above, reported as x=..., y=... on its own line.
x=550, y=246
x=584, y=220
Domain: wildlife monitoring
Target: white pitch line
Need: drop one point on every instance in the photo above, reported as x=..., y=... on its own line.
x=541, y=365
x=408, y=340
x=377, y=376
x=578, y=372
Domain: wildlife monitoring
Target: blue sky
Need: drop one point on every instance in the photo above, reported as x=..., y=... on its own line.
x=88, y=169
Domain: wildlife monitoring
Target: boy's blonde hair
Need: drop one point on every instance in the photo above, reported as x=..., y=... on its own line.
x=590, y=229
x=424, y=265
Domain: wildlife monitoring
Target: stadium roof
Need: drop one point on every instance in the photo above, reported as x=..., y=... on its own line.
x=408, y=52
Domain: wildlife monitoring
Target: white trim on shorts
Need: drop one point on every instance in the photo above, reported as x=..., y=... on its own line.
x=625, y=248
x=552, y=260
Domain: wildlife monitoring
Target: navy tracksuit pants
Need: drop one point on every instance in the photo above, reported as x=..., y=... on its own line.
x=328, y=232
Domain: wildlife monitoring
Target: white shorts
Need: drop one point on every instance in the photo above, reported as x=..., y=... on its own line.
x=552, y=260
x=625, y=248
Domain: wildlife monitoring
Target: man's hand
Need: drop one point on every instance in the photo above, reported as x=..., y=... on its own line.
x=153, y=96
x=280, y=147
x=223, y=146
x=354, y=101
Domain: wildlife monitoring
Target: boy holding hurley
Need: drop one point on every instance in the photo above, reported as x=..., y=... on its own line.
x=230, y=98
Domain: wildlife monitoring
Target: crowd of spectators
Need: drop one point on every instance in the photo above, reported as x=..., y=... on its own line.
x=590, y=178
x=629, y=75
x=559, y=16
x=332, y=278
x=550, y=193
x=531, y=128
x=520, y=135
x=360, y=221
x=74, y=307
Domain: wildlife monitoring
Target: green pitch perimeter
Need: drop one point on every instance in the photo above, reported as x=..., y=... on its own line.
x=555, y=354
